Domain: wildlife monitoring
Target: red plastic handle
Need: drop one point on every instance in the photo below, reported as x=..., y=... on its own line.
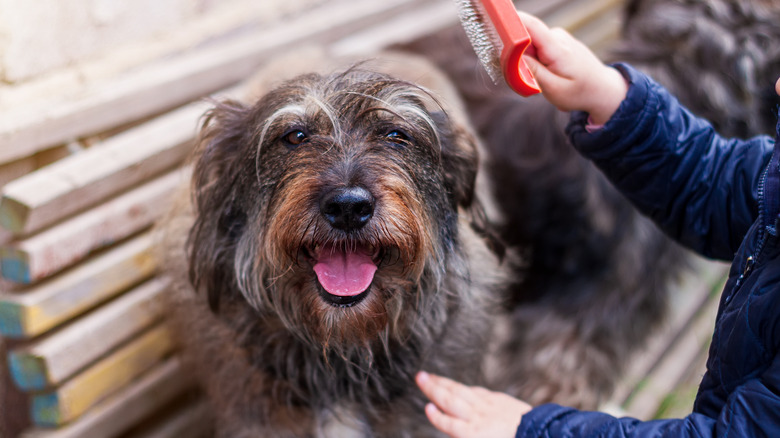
x=516, y=40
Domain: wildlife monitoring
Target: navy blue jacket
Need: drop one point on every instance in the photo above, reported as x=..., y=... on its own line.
x=721, y=198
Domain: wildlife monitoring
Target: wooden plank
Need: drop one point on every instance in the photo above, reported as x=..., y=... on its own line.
x=5, y=237
x=676, y=363
x=192, y=421
x=14, y=416
x=601, y=31
x=679, y=403
x=19, y=168
x=425, y=20
x=31, y=313
x=81, y=180
x=52, y=155
x=118, y=413
x=102, y=379
x=16, y=169
x=165, y=85
x=32, y=259
x=402, y=29
x=55, y=358
x=575, y=14
x=698, y=288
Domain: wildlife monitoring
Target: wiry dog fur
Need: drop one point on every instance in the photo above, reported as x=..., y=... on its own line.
x=281, y=356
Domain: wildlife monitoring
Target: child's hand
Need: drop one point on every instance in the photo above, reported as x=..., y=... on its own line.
x=570, y=75
x=777, y=87
x=468, y=411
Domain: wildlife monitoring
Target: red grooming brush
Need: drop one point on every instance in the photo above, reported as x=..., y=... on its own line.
x=499, y=39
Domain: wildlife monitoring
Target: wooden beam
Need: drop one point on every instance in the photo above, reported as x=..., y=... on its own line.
x=37, y=257
x=55, y=358
x=16, y=169
x=573, y=15
x=399, y=30
x=118, y=413
x=14, y=415
x=165, y=85
x=33, y=312
x=104, y=378
x=84, y=179
x=692, y=294
x=678, y=360
x=602, y=31
x=192, y=421
x=427, y=19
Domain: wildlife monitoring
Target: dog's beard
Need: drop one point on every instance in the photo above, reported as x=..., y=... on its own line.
x=278, y=277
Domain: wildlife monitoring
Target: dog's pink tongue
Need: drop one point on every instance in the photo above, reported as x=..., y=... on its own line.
x=344, y=273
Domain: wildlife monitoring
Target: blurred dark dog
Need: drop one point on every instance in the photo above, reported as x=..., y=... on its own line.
x=721, y=58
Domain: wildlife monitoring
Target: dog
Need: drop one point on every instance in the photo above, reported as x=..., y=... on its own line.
x=337, y=244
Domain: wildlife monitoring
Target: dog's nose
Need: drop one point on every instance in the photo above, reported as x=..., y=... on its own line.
x=348, y=209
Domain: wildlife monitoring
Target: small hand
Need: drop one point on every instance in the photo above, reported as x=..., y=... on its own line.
x=463, y=411
x=571, y=76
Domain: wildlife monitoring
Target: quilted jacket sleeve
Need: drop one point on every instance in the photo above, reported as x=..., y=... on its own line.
x=700, y=188
x=752, y=410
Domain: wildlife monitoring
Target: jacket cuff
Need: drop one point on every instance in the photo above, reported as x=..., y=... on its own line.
x=535, y=422
x=638, y=101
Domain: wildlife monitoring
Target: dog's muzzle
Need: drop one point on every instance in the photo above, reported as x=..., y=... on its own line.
x=346, y=270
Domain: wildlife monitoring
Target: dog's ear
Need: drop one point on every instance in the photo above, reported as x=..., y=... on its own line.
x=460, y=161
x=219, y=218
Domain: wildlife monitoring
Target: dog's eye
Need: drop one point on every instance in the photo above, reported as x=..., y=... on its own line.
x=294, y=137
x=398, y=136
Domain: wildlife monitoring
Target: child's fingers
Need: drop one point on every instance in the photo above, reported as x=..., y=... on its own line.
x=553, y=85
x=538, y=70
x=536, y=28
x=451, y=397
x=543, y=39
x=452, y=426
x=777, y=87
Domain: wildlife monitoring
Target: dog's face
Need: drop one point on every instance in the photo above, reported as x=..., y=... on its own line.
x=331, y=206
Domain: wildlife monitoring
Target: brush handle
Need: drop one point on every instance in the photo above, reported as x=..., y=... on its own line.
x=516, y=40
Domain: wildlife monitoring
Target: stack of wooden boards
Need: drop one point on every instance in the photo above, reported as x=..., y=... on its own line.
x=80, y=306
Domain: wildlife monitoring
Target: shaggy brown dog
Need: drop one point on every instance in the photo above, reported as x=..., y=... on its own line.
x=338, y=246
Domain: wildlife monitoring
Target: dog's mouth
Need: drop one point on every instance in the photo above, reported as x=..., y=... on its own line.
x=345, y=272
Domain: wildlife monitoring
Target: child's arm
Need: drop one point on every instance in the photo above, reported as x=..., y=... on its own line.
x=700, y=188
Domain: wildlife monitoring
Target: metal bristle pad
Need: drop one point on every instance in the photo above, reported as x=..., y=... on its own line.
x=483, y=36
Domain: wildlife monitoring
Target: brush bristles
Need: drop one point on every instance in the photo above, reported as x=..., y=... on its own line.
x=482, y=35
